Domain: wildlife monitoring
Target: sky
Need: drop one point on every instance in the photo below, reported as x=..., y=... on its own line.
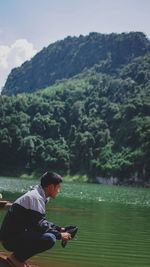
x=26, y=26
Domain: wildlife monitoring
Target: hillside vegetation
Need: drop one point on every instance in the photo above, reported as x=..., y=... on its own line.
x=95, y=123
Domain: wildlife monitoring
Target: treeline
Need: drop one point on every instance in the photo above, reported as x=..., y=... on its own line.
x=95, y=123
x=69, y=57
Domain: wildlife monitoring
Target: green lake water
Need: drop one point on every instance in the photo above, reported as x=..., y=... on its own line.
x=113, y=221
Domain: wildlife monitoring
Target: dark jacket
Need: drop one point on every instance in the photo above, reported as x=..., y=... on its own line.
x=28, y=213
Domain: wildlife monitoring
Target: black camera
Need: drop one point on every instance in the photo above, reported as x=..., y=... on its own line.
x=71, y=230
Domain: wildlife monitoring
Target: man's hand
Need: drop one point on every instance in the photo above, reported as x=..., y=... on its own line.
x=62, y=229
x=65, y=236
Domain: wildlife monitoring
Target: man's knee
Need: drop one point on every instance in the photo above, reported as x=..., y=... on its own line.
x=49, y=240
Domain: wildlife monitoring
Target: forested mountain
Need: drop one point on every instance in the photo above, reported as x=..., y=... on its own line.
x=69, y=57
x=95, y=123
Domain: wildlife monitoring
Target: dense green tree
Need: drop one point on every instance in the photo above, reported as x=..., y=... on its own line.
x=95, y=123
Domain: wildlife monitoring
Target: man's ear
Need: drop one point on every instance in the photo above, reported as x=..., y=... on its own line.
x=49, y=189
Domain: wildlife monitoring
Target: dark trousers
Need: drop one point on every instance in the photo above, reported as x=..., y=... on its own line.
x=29, y=243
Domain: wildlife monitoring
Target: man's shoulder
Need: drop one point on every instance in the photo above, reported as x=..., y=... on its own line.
x=32, y=200
x=33, y=193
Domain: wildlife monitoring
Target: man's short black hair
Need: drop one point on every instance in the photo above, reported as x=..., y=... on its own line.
x=50, y=178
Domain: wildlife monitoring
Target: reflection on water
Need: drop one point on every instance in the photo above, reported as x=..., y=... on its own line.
x=114, y=225
x=109, y=235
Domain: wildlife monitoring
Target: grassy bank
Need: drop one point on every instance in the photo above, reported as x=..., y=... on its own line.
x=35, y=175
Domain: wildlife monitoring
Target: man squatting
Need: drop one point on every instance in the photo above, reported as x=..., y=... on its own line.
x=25, y=230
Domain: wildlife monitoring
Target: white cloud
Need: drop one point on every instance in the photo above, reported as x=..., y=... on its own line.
x=13, y=56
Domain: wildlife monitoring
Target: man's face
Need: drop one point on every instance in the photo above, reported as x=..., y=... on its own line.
x=54, y=190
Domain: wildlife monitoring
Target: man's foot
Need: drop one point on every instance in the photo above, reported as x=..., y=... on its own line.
x=15, y=263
